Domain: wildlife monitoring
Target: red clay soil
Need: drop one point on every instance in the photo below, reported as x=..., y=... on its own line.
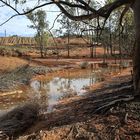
x=76, y=119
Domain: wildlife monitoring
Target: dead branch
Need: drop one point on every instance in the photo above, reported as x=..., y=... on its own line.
x=92, y=13
x=108, y=105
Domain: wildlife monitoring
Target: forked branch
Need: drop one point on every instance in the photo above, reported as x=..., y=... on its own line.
x=90, y=13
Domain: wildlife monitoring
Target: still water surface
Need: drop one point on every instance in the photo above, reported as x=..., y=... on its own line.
x=58, y=88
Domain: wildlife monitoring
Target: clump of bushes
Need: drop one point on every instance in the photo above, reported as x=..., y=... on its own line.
x=84, y=65
x=10, y=51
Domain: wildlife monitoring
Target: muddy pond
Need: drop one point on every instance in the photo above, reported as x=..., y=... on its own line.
x=56, y=86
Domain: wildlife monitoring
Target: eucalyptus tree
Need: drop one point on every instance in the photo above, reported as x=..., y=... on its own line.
x=39, y=23
x=128, y=35
x=90, y=13
x=118, y=35
x=68, y=28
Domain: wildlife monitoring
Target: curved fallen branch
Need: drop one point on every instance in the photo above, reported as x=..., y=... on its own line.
x=108, y=105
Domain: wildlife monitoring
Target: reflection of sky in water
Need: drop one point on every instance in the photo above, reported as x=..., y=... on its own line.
x=50, y=92
x=35, y=85
x=60, y=88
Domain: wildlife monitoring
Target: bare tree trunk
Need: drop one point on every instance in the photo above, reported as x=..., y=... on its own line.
x=92, y=46
x=41, y=46
x=68, y=45
x=136, y=8
x=110, y=38
x=91, y=51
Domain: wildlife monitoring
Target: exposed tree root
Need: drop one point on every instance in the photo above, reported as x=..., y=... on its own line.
x=108, y=105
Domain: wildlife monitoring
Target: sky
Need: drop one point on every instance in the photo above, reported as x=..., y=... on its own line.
x=18, y=25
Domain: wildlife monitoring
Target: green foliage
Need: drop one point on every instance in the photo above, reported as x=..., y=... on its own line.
x=45, y=37
x=39, y=23
x=120, y=38
x=38, y=18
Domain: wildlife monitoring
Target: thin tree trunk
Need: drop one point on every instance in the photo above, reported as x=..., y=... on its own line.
x=92, y=46
x=68, y=47
x=110, y=37
x=136, y=8
x=41, y=46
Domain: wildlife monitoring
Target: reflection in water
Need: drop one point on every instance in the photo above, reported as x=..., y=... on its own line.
x=59, y=87
x=35, y=85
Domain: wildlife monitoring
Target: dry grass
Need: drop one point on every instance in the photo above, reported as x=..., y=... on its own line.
x=10, y=63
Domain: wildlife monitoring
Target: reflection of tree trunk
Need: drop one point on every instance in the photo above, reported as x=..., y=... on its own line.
x=91, y=74
x=137, y=49
x=69, y=83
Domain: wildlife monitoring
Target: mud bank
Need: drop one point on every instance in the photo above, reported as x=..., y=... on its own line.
x=20, y=75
